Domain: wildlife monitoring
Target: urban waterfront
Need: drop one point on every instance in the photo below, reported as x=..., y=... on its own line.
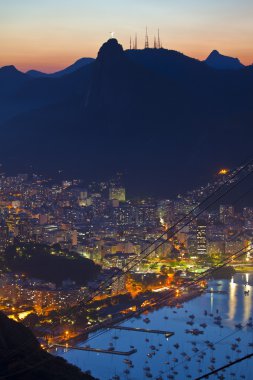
x=183, y=355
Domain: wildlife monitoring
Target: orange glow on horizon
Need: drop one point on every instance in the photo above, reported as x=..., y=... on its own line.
x=55, y=60
x=50, y=35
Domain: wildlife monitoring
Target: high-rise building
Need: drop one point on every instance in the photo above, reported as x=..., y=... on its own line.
x=74, y=238
x=226, y=212
x=201, y=238
x=83, y=194
x=248, y=212
x=43, y=219
x=124, y=215
x=118, y=193
x=118, y=285
x=4, y=237
x=146, y=214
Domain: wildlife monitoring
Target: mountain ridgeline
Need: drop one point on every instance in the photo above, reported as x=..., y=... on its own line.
x=164, y=119
x=70, y=69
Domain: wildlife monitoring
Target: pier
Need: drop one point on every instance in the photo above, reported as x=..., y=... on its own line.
x=98, y=350
x=167, y=334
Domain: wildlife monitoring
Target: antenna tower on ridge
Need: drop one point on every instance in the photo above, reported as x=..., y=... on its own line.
x=135, y=42
x=158, y=40
x=146, y=39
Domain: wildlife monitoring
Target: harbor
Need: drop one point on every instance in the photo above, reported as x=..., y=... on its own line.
x=209, y=331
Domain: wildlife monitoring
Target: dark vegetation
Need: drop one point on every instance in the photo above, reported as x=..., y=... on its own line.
x=49, y=263
x=224, y=273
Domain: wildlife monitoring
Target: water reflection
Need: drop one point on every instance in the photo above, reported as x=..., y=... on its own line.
x=232, y=299
x=211, y=300
x=247, y=299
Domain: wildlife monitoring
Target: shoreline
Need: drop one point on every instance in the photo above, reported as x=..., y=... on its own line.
x=177, y=323
x=244, y=269
x=177, y=302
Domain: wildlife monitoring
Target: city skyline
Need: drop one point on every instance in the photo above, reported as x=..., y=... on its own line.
x=51, y=35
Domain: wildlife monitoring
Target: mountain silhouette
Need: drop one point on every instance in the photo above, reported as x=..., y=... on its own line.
x=70, y=69
x=223, y=62
x=10, y=80
x=166, y=120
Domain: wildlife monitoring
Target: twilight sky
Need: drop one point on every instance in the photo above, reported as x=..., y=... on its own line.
x=50, y=34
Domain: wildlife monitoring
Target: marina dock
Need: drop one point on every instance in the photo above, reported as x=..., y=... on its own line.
x=168, y=334
x=97, y=350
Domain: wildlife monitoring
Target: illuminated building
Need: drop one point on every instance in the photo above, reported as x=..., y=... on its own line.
x=83, y=194
x=124, y=215
x=74, y=238
x=192, y=245
x=119, y=285
x=23, y=230
x=226, y=212
x=201, y=238
x=166, y=212
x=248, y=224
x=248, y=212
x=118, y=193
x=146, y=214
x=43, y=219
x=4, y=237
x=82, y=198
x=115, y=203
x=233, y=246
x=216, y=248
x=119, y=259
x=15, y=204
x=66, y=184
x=11, y=222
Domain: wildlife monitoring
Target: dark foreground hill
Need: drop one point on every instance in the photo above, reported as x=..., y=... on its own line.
x=164, y=119
x=23, y=359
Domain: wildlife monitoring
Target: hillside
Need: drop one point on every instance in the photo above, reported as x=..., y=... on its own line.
x=222, y=62
x=151, y=113
x=23, y=359
x=45, y=263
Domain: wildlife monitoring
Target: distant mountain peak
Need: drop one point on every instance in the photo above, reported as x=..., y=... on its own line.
x=215, y=53
x=9, y=68
x=80, y=63
x=110, y=50
x=12, y=72
x=219, y=61
x=35, y=73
